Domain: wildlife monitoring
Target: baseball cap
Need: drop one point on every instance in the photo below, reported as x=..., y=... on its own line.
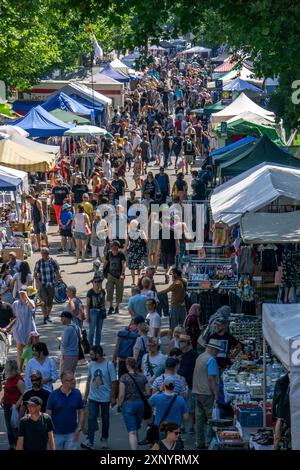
x=37, y=401
x=170, y=362
x=221, y=321
x=36, y=373
x=66, y=315
x=138, y=319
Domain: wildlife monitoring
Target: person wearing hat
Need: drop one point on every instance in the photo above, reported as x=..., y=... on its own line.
x=65, y=226
x=58, y=194
x=180, y=386
x=186, y=370
x=69, y=343
x=153, y=359
x=114, y=267
x=36, y=390
x=206, y=390
x=228, y=343
x=36, y=428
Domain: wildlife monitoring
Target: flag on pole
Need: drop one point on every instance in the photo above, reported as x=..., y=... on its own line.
x=97, y=49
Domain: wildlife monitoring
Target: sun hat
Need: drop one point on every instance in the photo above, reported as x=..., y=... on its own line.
x=214, y=343
x=66, y=206
x=186, y=338
x=37, y=401
x=31, y=291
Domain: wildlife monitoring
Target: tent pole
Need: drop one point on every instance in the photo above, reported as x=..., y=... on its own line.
x=264, y=382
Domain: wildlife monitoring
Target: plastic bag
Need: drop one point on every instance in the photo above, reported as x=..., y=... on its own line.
x=14, y=420
x=215, y=413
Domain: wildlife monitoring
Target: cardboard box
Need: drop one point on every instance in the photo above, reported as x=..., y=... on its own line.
x=21, y=227
x=19, y=252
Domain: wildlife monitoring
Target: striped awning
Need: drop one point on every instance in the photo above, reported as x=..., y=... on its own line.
x=225, y=67
x=17, y=156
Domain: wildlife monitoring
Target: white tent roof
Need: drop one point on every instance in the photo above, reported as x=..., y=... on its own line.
x=253, y=117
x=120, y=66
x=281, y=327
x=238, y=106
x=4, y=170
x=195, y=50
x=84, y=92
x=99, y=78
x=244, y=73
x=37, y=146
x=271, y=228
x=253, y=190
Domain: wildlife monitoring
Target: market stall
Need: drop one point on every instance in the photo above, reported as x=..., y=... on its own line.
x=281, y=326
x=16, y=156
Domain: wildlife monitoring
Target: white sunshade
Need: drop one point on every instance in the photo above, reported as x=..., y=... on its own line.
x=238, y=106
x=195, y=50
x=281, y=326
x=253, y=190
x=85, y=92
x=18, y=174
x=120, y=66
x=253, y=117
x=244, y=73
x=271, y=228
x=37, y=146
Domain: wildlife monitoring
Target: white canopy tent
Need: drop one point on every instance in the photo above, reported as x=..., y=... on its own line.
x=281, y=330
x=255, y=118
x=37, y=146
x=4, y=170
x=120, y=66
x=238, y=106
x=271, y=228
x=196, y=50
x=253, y=190
x=244, y=73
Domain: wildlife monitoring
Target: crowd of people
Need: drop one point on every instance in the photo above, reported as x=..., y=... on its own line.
x=160, y=375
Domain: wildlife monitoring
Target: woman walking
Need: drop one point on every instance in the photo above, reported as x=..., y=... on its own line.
x=136, y=247
x=21, y=279
x=170, y=441
x=5, y=284
x=44, y=364
x=132, y=386
x=82, y=229
x=12, y=397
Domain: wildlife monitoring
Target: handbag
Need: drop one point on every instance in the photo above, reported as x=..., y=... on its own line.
x=80, y=347
x=14, y=419
x=87, y=230
x=153, y=429
x=147, y=407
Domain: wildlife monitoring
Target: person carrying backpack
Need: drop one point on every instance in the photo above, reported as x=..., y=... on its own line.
x=189, y=152
x=126, y=339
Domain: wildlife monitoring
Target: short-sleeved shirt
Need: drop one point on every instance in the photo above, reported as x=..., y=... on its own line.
x=167, y=237
x=35, y=433
x=60, y=193
x=179, y=382
x=154, y=322
x=70, y=339
x=79, y=190
x=131, y=391
x=42, y=394
x=64, y=410
x=187, y=366
x=151, y=363
x=227, y=343
x=102, y=374
x=115, y=264
x=161, y=402
x=97, y=299
x=119, y=186
x=137, y=304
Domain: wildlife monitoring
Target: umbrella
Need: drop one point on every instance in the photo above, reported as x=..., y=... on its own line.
x=86, y=130
x=11, y=130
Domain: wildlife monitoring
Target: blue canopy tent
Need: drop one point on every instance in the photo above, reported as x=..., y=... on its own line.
x=39, y=123
x=109, y=71
x=9, y=183
x=241, y=85
x=234, y=145
x=67, y=103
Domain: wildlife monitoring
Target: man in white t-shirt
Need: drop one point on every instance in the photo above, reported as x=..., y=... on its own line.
x=153, y=359
x=153, y=319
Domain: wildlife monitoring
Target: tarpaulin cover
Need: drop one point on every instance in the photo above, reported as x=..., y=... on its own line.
x=242, y=127
x=39, y=123
x=249, y=116
x=241, y=150
x=67, y=103
x=241, y=85
x=253, y=190
x=263, y=227
x=281, y=325
x=22, y=175
x=263, y=151
x=109, y=71
x=240, y=142
x=16, y=156
x=239, y=105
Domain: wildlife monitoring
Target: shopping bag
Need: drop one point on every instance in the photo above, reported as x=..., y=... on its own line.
x=215, y=413
x=14, y=420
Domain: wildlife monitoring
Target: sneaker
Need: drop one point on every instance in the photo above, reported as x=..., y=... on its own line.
x=87, y=445
x=104, y=443
x=110, y=311
x=116, y=310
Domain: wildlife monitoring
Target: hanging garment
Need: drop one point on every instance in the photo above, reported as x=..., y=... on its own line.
x=220, y=234
x=268, y=261
x=244, y=288
x=291, y=269
x=245, y=261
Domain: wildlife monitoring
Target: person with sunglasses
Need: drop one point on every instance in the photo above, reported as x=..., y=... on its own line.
x=95, y=310
x=171, y=439
x=36, y=390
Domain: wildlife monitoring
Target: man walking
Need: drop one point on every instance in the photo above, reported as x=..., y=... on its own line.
x=65, y=406
x=101, y=391
x=206, y=389
x=46, y=274
x=69, y=344
x=178, y=291
x=36, y=428
x=58, y=195
x=39, y=219
x=114, y=266
x=36, y=390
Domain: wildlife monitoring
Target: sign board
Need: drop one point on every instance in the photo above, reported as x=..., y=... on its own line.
x=226, y=98
x=219, y=85
x=223, y=129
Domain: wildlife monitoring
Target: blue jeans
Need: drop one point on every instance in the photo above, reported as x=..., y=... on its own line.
x=93, y=407
x=65, y=442
x=12, y=433
x=133, y=412
x=166, y=158
x=95, y=326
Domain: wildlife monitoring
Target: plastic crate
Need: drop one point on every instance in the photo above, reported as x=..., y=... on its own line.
x=250, y=416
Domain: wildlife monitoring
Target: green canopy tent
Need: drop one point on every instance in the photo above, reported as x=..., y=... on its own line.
x=243, y=127
x=263, y=151
x=213, y=108
x=233, y=153
x=67, y=117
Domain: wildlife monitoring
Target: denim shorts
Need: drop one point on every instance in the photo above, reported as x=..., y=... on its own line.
x=133, y=411
x=80, y=236
x=40, y=229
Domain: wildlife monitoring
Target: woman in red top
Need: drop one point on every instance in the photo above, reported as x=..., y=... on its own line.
x=192, y=324
x=13, y=392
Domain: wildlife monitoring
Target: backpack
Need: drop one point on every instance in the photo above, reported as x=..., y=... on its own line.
x=127, y=342
x=141, y=354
